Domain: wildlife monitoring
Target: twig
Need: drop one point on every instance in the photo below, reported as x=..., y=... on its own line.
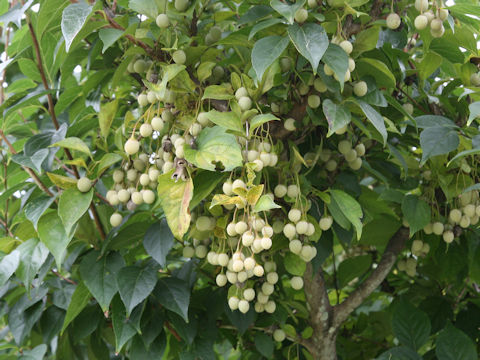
x=173, y=331
x=7, y=230
x=63, y=277
x=411, y=99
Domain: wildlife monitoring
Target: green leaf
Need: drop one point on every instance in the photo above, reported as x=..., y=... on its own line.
x=107, y=160
x=8, y=265
x=311, y=41
x=33, y=254
x=73, y=143
x=337, y=59
x=430, y=144
x=14, y=14
x=416, y=211
x=34, y=161
x=366, y=40
x=145, y=7
x=169, y=73
x=294, y=264
x=453, y=344
x=80, y=298
x=426, y=121
x=376, y=68
x=264, y=344
x=72, y=205
x=174, y=295
x=410, y=325
x=430, y=62
x=265, y=203
x=474, y=109
x=109, y=37
x=217, y=92
x=337, y=116
x=53, y=235
x=158, y=241
x=74, y=17
x=352, y=268
x=123, y=327
x=228, y=120
x=287, y=11
x=35, y=208
x=266, y=51
x=215, y=145
x=99, y=274
x=204, y=70
x=263, y=25
x=175, y=198
x=400, y=353
x=204, y=183
x=259, y=120
x=350, y=208
x=135, y=284
x=106, y=116
x=375, y=118
x=37, y=353
x=63, y=182
x=463, y=154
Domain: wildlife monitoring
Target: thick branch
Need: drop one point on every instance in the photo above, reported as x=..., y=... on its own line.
x=317, y=299
x=355, y=299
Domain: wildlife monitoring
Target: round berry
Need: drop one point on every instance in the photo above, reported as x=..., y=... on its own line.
x=346, y=46
x=393, y=21
x=245, y=103
x=132, y=146
x=116, y=219
x=179, y=57
x=421, y=22
x=243, y=306
x=188, y=252
x=221, y=280
x=360, y=88
x=233, y=303
x=296, y=282
x=313, y=101
x=279, y=335
x=448, y=236
x=289, y=231
x=84, y=184
x=289, y=124
x=301, y=15
x=325, y=223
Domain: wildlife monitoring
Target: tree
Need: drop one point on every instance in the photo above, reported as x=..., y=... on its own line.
x=236, y=180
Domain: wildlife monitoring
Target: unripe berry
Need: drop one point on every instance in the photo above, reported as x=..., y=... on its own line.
x=123, y=195
x=203, y=223
x=346, y=46
x=295, y=246
x=437, y=33
x=294, y=215
x=162, y=21
x=188, y=252
x=301, y=15
x=351, y=155
x=266, y=243
x=238, y=184
x=222, y=259
x=296, y=282
x=313, y=101
x=279, y=335
x=328, y=70
x=270, y=266
x=116, y=219
x=243, y=306
x=417, y=246
x=360, y=149
x=267, y=288
x=237, y=265
x=227, y=188
x=132, y=146
x=118, y=176
x=301, y=227
x=325, y=223
x=137, y=198
x=249, y=263
x=351, y=64
x=221, y=280
x=241, y=92
x=272, y=278
x=140, y=66
x=142, y=100
x=84, y=184
x=292, y=191
x=443, y=14
x=252, y=155
x=179, y=57
x=448, y=236
x=303, y=89
x=231, y=229
x=464, y=222
x=270, y=307
x=241, y=227
x=289, y=124
x=437, y=228
x=201, y=251
x=331, y=165
x=428, y=229
x=289, y=231
x=393, y=21
x=469, y=210
x=245, y=103
x=144, y=180
x=233, y=303
x=355, y=164
x=258, y=165
x=436, y=24
x=319, y=85
x=421, y=5
x=258, y=270
x=285, y=64
x=344, y=146
x=262, y=298
x=360, y=88
x=247, y=238
x=475, y=79
x=421, y=22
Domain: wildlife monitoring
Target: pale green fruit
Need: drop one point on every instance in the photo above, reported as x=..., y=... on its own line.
x=325, y=223
x=201, y=251
x=118, y=176
x=140, y=66
x=401, y=265
x=346, y=46
x=408, y=108
x=227, y=188
x=285, y=64
x=218, y=72
x=355, y=164
x=436, y=24
x=146, y=130
x=294, y=215
x=241, y=92
x=393, y=21
x=84, y=184
x=344, y=146
x=162, y=21
x=437, y=228
x=303, y=89
x=137, y=198
x=351, y=64
x=289, y=231
x=280, y=190
x=181, y=5
x=245, y=103
x=151, y=97
x=272, y=278
x=421, y=22
x=249, y=263
x=443, y=14
x=116, y=219
x=241, y=227
x=202, y=119
x=142, y=100
x=179, y=57
x=360, y=88
x=237, y=265
x=448, y=236
x=238, y=184
x=351, y=155
x=319, y=85
x=296, y=282
x=295, y=246
x=417, y=246
x=328, y=70
x=249, y=294
x=421, y=5
x=144, y=179
x=267, y=289
x=270, y=307
x=289, y=124
x=132, y=175
x=157, y=123
x=243, y=306
x=331, y=165
x=188, y=252
x=258, y=270
x=428, y=229
x=266, y=243
x=233, y=302
x=279, y=335
x=292, y=191
x=301, y=227
x=437, y=33
x=360, y=149
x=430, y=15
x=221, y=280
x=342, y=130
x=475, y=79
x=123, y=195
x=314, y=101
x=203, y=223
x=469, y=210
x=464, y=222
x=215, y=33
x=301, y=15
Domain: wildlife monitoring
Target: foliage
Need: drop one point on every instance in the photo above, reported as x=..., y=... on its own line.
x=236, y=179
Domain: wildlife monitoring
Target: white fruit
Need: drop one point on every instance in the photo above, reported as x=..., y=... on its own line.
x=464, y=222
x=325, y=223
x=421, y=22
x=116, y=219
x=267, y=231
x=295, y=246
x=222, y=259
x=360, y=88
x=259, y=307
x=249, y=263
x=267, y=288
x=346, y=46
x=258, y=165
x=252, y=155
x=137, y=198
x=421, y=5
x=148, y=196
x=233, y=303
x=294, y=215
x=266, y=243
x=132, y=146
x=351, y=64
x=249, y=294
x=443, y=14
x=280, y=191
x=241, y=227
x=243, y=306
x=270, y=266
x=301, y=15
x=123, y=195
x=310, y=229
x=292, y=191
x=118, y=176
x=231, y=277
x=469, y=210
x=270, y=307
x=237, y=265
x=428, y=229
x=142, y=100
x=393, y=21
x=301, y=227
x=231, y=229
x=262, y=298
x=437, y=228
x=313, y=101
x=417, y=246
x=258, y=270
x=221, y=280
x=279, y=335
x=289, y=231
x=201, y=251
x=289, y=124
x=203, y=223
x=448, y=236
x=272, y=278
x=245, y=103
x=436, y=24
x=238, y=184
x=162, y=21
x=84, y=184
x=328, y=70
x=227, y=188
x=296, y=282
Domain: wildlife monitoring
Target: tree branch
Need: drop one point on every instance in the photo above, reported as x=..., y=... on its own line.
x=317, y=299
x=356, y=298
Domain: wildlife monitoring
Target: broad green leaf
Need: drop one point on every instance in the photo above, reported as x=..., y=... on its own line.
x=431, y=61
x=255, y=13
x=37, y=353
x=266, y=51
x=375, y=118
x=264, y=344
x=311, y=41
x=174, y=295
x=72, y=205
x=454, y=344
x=36, y=207
x=400, y=353
x=106, y=116
x=294, y=264
x=337, y=59
x=123, y=327
x=228, y=120
x=73, y=143
x=352, y=268
x=376, y=68
x=350, y=208
x=463, y=154
x=265, y=203
x=53, y=235
x=80, y=299
x=15, y=14
x=204, y=183
x=8, y=265
x=263, y=25
x=107, y=160
x=259, y=120
x=158, y=241
x=431, y=146
x=337, y=116
x=169, y=73
x=175, y=198
x=204, y=70
x=410, y=325
x=139, y=350
x=287, y=11
x=426, y=121
x=366, y=40
x=416, y=211
x=74, y=17
x=135, y=284
x=217, y=92
x=215, y=146
x=99, y=275
x=145, y=7
x=474, y=109
x=63, y=182
x=109, y=37
x=34, y=161
x=33, y=254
